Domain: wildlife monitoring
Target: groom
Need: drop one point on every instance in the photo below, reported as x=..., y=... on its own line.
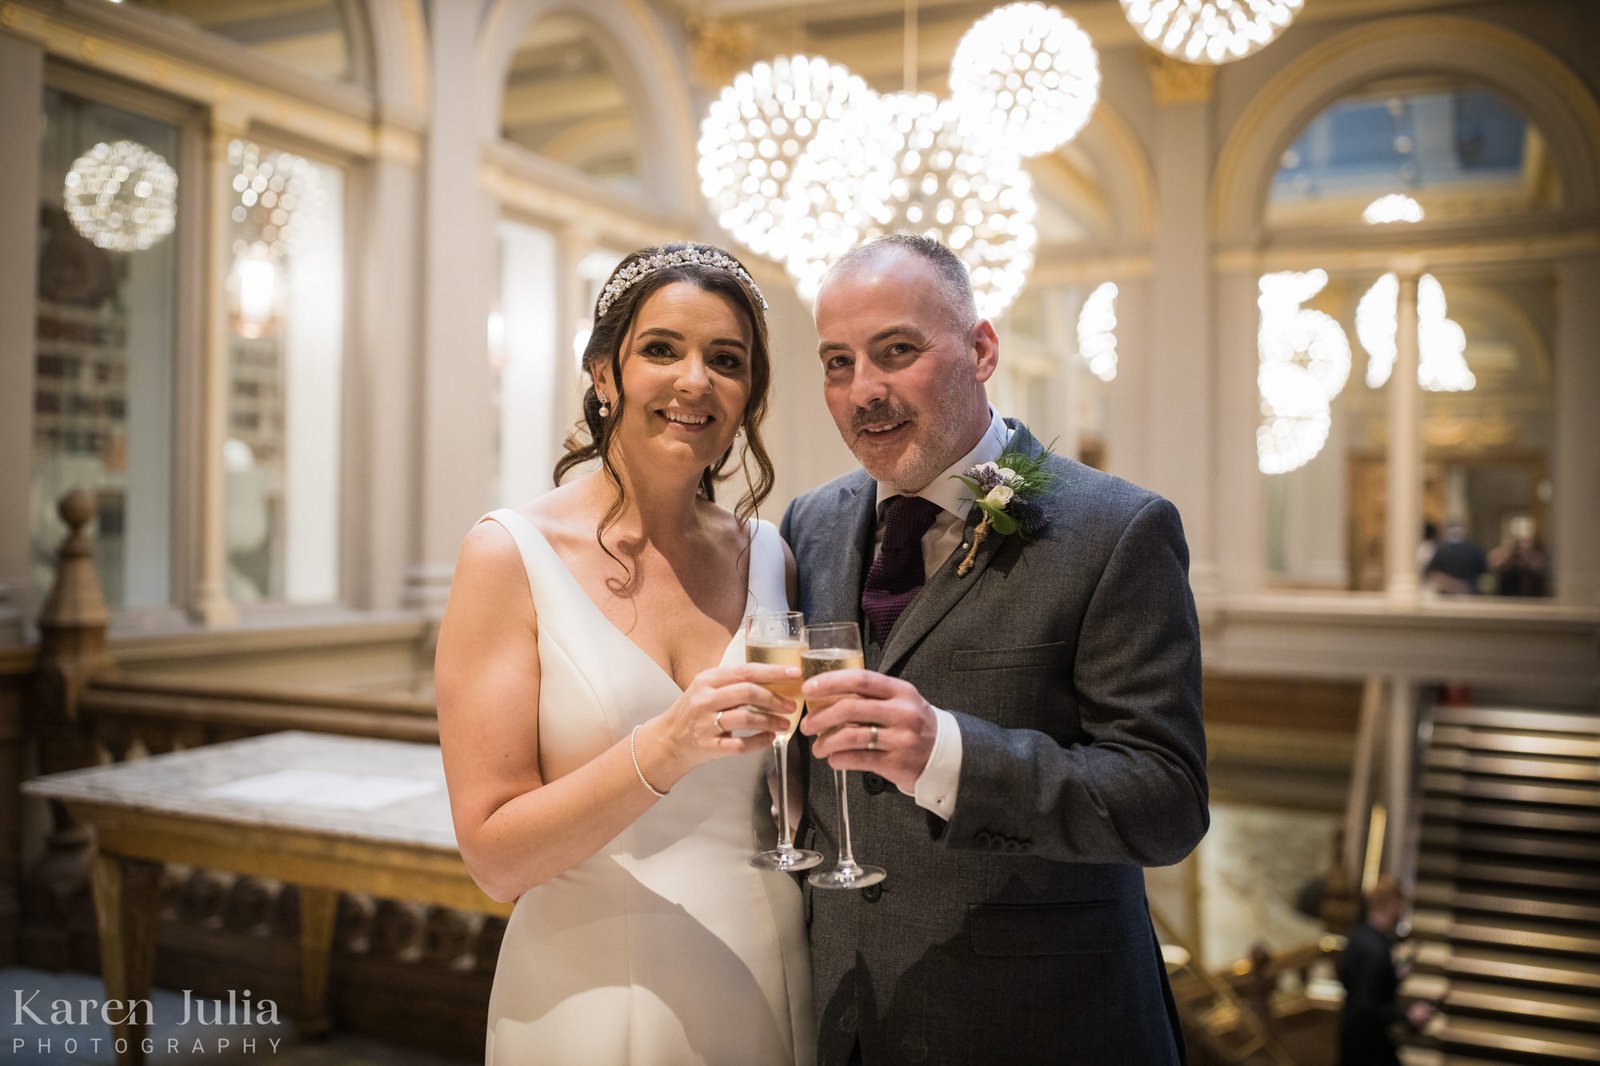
x=1026, y=738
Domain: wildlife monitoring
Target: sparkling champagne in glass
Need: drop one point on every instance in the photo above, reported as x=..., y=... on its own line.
x=776, y=637
x=837, y=646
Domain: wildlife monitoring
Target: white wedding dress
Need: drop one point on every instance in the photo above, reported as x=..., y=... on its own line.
x=665, y=947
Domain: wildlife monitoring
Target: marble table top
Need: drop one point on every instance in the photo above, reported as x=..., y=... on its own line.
x=383, y=791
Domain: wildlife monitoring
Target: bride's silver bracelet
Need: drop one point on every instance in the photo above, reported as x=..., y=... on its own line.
x=633, y=751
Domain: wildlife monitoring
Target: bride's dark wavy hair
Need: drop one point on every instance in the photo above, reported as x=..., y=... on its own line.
x=592, y=437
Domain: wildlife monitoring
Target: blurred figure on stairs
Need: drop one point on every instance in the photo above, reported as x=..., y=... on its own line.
x=1372, y=983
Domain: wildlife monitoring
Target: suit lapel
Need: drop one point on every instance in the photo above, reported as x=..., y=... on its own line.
x=944, y=589
x=844, y=570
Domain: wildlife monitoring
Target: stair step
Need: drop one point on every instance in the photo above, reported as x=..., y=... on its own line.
x=1445, y=837
x=1582, y=770
x=1432, y=1056
x=1447, y=896
x=1511, y=720
x=1519, y=933
x=1450, y=783
x=1449, y=866
x=1456, y=809
x=1526, y=1041
x=1486, y=964
x=1515, y=743
x=1467, y=997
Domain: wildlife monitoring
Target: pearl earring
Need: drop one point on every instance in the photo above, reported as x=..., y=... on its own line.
x=605, y=407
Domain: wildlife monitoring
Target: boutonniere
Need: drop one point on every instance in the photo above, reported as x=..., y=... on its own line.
x=1007, y=491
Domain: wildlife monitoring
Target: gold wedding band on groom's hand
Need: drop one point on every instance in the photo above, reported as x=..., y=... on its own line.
x=717, y=721
x=872, y=738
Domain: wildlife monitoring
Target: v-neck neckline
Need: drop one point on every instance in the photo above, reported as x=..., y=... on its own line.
x=583, y=594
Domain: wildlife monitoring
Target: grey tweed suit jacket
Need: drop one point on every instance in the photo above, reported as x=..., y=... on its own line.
x=1017, y=932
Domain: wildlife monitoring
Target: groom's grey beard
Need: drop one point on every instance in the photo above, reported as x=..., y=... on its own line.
x=878, y=414
x=936, y=436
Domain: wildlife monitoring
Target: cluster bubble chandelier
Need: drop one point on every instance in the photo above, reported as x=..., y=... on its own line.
x=1097, y=332
x=754, y=133
x=1304, y=363
x=1441, y=342
x=280, y=198
x=801, y=161
x=121, y=196
x=1210, y=31
x=901, y=166
x=1025, y=77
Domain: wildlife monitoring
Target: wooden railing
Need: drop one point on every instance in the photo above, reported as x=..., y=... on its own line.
x=408, y=972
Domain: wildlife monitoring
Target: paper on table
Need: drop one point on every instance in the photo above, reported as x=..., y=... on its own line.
x=323, y=788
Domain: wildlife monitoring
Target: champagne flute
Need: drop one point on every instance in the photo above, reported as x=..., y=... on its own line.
x=775, y=637
x=837, y=646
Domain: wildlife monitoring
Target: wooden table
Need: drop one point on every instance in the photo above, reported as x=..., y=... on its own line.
x=328, y=814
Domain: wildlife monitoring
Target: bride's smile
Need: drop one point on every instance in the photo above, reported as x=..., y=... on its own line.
x=685, y=378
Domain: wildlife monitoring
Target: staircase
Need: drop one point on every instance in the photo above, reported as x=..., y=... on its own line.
x=1507, y=910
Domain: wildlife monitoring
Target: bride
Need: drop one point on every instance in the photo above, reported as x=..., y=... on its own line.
x=595, y=708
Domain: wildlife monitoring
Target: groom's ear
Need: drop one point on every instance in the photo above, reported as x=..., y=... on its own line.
x=985, y=349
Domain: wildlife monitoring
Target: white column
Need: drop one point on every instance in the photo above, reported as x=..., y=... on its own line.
x=1575, y=469
x=1181, y=347
x=453, y=440
x=382, y=500
x=21, y=87
x=209, y=601
x=1405, y=450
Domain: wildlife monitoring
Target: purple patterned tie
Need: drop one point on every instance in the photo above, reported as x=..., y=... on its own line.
x=896, y=575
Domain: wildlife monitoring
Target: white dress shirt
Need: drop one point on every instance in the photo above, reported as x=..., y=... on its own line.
x=936, y=786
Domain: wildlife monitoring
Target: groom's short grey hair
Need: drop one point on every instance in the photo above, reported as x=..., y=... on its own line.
x=954, y=282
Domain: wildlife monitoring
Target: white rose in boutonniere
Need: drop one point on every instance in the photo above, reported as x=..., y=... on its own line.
x=1007, y=492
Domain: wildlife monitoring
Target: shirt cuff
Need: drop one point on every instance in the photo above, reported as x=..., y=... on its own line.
x=936, y=786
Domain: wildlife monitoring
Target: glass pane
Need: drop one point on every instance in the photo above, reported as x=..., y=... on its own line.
x=309, y=35
x=1489, y=435
x=1406, y=152
x=106, y=316
x=286, y=344
x=563, y=101
x=1323, y=434
x=524, y=358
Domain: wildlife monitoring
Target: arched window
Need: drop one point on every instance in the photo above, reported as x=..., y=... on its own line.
x=1399, y=179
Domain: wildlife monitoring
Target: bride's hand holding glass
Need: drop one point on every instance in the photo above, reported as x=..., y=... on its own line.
x=726, y=710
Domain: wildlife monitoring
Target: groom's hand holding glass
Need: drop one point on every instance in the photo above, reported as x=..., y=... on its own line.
x=878, y=723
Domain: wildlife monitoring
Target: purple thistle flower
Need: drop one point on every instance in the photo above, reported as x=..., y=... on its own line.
x=1030, y=517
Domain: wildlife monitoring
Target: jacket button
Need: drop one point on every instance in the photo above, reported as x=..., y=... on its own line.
x=996, y=844
x=872, y=893
x=872, y=783
x=1011, y=845
x=981, y=838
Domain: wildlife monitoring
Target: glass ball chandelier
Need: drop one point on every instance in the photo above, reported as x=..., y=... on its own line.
x=1097, y=332
x=281, y=197
x=1441, y=342
x=754, y=133
x=900, y=165
x=1304, y=363
x=1210, y=31
x=1025, y=77
x=1395, y=207
x=121, y=196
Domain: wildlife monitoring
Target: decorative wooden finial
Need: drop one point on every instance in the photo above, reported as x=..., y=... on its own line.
x=73, y=620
